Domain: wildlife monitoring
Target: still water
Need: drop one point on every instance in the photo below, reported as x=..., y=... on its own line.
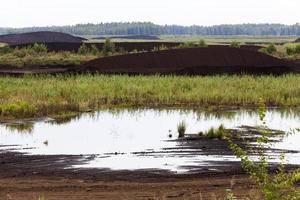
x=114, y=137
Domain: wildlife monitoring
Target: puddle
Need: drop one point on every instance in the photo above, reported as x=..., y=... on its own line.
x=114, y=137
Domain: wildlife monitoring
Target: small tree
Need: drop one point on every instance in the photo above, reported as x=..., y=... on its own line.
x=281, y=185
x=39, y=48
x=94, y=50
x=108, y=47
x=235, y=44
x=271, y=49
x=6, y=50
x=83, y=49
x=202, y=43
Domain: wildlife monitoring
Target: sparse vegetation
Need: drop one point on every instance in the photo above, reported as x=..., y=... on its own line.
x=38, y=55
x=181, y=128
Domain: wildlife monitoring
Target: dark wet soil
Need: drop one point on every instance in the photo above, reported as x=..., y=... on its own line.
x=24, y=176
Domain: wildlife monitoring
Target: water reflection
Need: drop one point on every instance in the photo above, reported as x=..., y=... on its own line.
x=114, y=136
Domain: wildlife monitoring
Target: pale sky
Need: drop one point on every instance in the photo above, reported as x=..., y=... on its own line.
x=23, y=13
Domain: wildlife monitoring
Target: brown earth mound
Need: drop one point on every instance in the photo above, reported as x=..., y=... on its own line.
x=130, y=37
x=192, y=61
x=39, y=37
x=298, y=40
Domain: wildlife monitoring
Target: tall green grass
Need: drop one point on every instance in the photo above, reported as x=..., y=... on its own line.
x=46, y=95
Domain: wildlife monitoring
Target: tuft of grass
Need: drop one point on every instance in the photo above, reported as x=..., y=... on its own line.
x=46, y=142
x=218, y=133
x=181, y=128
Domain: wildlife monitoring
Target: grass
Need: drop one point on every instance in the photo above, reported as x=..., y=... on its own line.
x=33, y=96
x=212, y=133
x=181, y=128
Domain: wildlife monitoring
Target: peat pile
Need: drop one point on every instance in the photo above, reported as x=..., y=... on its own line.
x=39, y=37
x=191, y=61
x=130, y=37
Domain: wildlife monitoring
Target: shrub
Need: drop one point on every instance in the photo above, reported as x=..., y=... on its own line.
x=297, y=49
x=202, y=43
x=39, y=48
x=108, y=47
x=20, y=53
x=290, y=51
x=6, y=50
x=271, y=49
x=235, y=44
x=83, y=49
x=181, y=128
x=94, y=50
x=281, y=185
x=187, y=45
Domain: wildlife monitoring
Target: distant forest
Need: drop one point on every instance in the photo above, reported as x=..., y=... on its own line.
x=147, y=28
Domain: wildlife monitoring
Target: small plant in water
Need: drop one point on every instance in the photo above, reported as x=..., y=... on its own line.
x=46, y=142
x=181, y=128
x=219, y=133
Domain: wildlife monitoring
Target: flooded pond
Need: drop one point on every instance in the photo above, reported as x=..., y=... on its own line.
x=142, y=138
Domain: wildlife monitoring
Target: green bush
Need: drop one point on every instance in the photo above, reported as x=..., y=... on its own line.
x=271, y=49
x=6, y=50
x=39, y=48
x=290, y=51
x=83, y=49
x=108, y=47
x=297, y=49
x=20, y=53
x=94, y=50
x=202, y=43
x=235, y=44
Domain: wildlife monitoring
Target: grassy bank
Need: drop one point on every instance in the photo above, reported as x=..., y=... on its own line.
x=32, y=96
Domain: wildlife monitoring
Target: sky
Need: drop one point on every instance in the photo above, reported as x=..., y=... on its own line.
x=24, y=13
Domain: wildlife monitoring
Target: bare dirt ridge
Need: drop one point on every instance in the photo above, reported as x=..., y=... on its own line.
x=298, y=40
x=39, y=37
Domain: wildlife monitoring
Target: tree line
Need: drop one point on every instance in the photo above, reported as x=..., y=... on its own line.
x=147, y=28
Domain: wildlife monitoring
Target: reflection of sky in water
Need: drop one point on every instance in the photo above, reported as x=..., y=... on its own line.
x=130, y=131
